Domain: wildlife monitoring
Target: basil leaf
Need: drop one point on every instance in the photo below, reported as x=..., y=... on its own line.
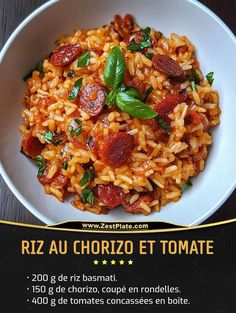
x=111, y=98
x=78, y=121
x=122, y=87
x=71, y=74
x=88, y=174
x=75, y=90
x=147, y=93
x=146, y=32
x=38, y=160
x=192, y=75
x=40, y=164
x=85, y=178
x=57, y=141
x=84, y=59
x=185, y=186
x=193, y=86
x=134, y=107
x=65, y=165
x=145, y=43
x=92, y=172
x=149, y=55
x=210, y=77
x=132, y=92
x=48, y=136
x=115, y=69
x=38, y=67
x=74, y=132
x=87, y=195
x=74, y=129
x=163, y=125
x=134, y=47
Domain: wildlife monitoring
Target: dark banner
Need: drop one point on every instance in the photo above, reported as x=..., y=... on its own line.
x=45, y=270
x=115, y=226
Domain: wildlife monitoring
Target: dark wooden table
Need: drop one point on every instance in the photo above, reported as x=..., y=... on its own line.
x=12, y=12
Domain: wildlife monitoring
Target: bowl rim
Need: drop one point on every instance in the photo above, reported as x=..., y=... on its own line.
x=4, y=174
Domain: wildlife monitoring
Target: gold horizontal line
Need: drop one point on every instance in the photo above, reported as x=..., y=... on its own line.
x=179, y=227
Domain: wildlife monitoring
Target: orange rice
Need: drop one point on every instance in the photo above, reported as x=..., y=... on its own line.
x=156, y=167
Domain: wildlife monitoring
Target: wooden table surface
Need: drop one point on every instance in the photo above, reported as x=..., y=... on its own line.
x=12, y=12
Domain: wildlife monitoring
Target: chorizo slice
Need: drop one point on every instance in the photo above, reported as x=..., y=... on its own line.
x=116, y=149
x=58, y=180
x=167, y=105
x=64, y=55
x=91, y=99
x=195, y=118
x=167, y=65
x=110, y=195
x=31, y=146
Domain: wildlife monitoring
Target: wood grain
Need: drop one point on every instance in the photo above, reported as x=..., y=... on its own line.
x=12, y=12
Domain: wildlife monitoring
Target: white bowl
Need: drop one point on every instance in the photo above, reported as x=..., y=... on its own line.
x=35, y=37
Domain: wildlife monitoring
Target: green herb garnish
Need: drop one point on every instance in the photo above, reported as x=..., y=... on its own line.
x=85, y=178
x=115, y=69
x=87, y=195
x=75, y=132
x=48, y=136
x=134, y=47
x=185, y=186
x=132, y=92
x=194, y=88
x=149, y=55
x=40, y=164
x=65, y=165
x=38, y=67
x=88, y=174
x=210, y=77
x=192, y=75
x=84, y=59
x=147, y=93
x=126, y=99
x=145, y=43
x=134, y=107
x=75, y=128
x=78, y=121
x=111, y=98
x=163, y=125
x=75, y=90
x=71, y=74
x=57, y=141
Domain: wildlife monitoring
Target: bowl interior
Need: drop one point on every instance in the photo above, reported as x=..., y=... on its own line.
x=35, y=38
